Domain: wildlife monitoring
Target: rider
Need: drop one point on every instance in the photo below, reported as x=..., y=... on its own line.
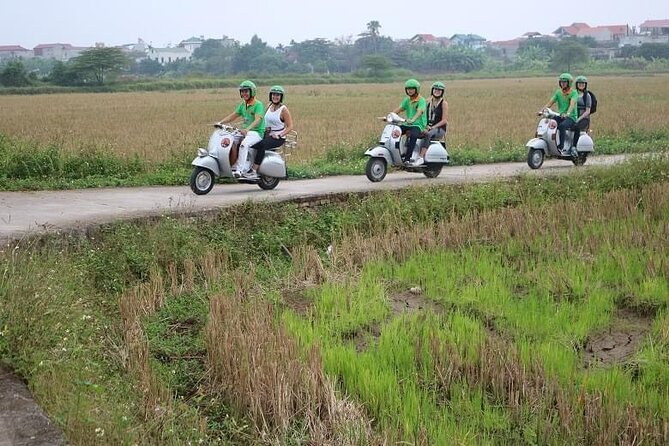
x=250, y=109
x=414, y=106
x=584, y=103
x=437, y=119
x=278, y=122
x=566, y=98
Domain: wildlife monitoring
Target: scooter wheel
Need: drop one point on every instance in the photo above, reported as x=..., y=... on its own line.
x=376, y=169
x=267, y=183
x=432, y=170
x=535, y=158
x=202, y=180
x=580, y=159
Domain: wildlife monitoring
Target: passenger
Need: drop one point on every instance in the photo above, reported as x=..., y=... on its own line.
x=437, y=119
x=278, y=123
x=583, y=104
x=414, y=106
x=251, y=110
x=566, y=99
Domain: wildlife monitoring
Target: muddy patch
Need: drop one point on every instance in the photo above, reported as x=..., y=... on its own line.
x=619, y=342
x=298, y=301
x=409, y=301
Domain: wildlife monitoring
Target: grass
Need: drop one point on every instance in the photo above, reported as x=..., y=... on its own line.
x=145, y=332
x=109, y=139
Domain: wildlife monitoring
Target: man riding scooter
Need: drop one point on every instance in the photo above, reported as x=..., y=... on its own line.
x=566, y=98
x=414, y=106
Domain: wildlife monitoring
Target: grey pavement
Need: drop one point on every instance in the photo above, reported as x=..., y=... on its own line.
x=26, y=213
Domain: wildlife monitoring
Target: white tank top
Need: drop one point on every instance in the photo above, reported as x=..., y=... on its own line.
x=273, y=120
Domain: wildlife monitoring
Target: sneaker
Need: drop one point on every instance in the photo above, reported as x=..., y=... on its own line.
x=419, y=162
x=250, y=175
x=236, y=173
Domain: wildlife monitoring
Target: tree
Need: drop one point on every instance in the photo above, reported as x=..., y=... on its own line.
x=377, y=65
x=65, y=74
x=569, y=53
x=14, y=75
x=100, y=63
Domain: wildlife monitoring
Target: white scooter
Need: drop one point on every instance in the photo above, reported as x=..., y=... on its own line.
x=544, y=144
x=214, y=161
x=392, y=145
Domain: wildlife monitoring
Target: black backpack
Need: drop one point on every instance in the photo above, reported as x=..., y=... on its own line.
x=593, y=102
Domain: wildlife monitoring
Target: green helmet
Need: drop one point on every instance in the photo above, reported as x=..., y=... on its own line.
x=412, y=83
x=438, y=86
x=582, y=79
x=276, y=89
x=248, y=85
x=566, y=77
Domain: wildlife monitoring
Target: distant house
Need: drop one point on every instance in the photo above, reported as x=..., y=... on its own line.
x=508, y=48
x=59, y=51
x=655, y=27
x=571, y=30
x=429, y=39
x=168, y=55
x=192, y=43
x=473, y=41
x=14, y=52
x=604, y=33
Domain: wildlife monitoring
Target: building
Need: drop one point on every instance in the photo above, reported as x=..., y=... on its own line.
x=191, y=44
x=58, y=51
x=473, y=41
x=167, y=55
x=14, y=52
x=429, y=39
x=655, y=27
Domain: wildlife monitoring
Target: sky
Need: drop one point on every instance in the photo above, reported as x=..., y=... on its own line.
x=160, y=23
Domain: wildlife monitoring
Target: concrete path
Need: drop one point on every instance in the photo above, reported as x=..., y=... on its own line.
x=22, y=422
x=25, y=213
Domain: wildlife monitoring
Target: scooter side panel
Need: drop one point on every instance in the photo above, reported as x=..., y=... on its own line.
x=436, y=153
x=272, y=166
x=585, y=143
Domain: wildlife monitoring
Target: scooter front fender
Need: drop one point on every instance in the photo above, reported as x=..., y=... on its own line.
x=208, y=162
x=537, y=143
x=380, y=152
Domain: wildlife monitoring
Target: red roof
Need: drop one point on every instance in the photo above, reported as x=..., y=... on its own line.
x=655, y=24
x=53, y=45
x=12, y=48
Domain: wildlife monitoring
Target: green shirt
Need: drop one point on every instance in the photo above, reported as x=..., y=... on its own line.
x=563, y=101
x=249, y=112
x=411, y=107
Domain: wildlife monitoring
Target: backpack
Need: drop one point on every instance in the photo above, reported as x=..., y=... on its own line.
x=593, y=102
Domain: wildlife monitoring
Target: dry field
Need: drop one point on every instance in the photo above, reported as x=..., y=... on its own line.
x=159, y=125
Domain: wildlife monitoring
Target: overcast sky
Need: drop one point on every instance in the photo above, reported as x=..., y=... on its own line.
x=85, y=22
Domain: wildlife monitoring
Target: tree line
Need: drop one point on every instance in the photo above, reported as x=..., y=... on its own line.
x=370, y=55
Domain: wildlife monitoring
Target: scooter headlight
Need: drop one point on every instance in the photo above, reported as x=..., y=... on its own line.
x=396, y=133
x=225, y=142
x=552, y=124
